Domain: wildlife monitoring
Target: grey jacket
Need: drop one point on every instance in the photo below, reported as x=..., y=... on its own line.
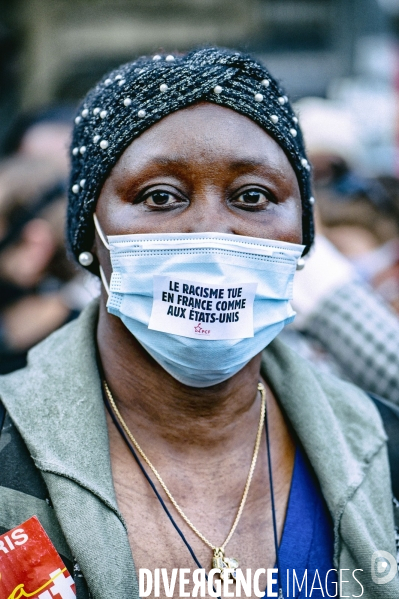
x=56, y=404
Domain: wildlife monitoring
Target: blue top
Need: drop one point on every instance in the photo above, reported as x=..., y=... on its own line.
x=308, y=539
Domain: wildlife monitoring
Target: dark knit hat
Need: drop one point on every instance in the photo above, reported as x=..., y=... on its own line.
x=138, y=94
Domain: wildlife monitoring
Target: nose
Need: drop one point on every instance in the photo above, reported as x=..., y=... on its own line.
x=209, y=212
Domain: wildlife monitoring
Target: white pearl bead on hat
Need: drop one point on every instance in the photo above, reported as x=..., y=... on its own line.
x=96, y=110
x=108, y=81
x=300, y=264
x=104, y=144
x=75, y=188
x=163, y=87
x=96, y=139
x=258, y=97
x=127, y=101
x=85, y=113
x=169, y=58
x=82, y=149
x=311, y=200
x=78, y=119
x=281, y=100
x=265, y=82
x=82, y=183
x=75, y=151
x=156, y=57
x=218, y=89
x=103, y=114
x=86, y=258
x=274, y=119
x=293, y=132
x=141, y=114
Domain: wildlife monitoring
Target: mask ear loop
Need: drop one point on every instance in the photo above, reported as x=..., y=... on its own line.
x=100, y=232
x=106, y=244
x=104, y=280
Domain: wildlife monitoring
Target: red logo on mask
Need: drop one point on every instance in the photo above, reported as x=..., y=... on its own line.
x=200, y=330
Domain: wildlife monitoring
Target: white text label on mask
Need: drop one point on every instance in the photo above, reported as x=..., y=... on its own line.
x=202, y=311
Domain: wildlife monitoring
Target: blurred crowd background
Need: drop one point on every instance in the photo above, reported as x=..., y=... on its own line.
x=338, y=61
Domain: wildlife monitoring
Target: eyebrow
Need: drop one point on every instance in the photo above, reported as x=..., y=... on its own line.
x=240, y=164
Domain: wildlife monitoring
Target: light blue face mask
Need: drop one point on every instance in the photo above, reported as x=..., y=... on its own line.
x=201, y=304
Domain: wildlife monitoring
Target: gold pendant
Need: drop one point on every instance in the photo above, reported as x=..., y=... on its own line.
x=224, y=564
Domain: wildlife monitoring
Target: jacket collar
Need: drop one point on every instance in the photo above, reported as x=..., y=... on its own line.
x=338, y=426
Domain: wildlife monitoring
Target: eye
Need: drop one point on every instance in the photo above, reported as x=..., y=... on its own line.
x=160, y=199
x=252, y=198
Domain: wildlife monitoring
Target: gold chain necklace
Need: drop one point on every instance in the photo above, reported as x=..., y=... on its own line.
x=225, y=565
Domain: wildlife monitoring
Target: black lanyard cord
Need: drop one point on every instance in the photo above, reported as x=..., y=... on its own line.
x=153, y=487
x=276, y=548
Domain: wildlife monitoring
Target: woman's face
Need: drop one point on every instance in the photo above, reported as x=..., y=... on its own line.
x=204, y=168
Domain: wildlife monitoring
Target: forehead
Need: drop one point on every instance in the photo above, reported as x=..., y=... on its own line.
x=204, y=133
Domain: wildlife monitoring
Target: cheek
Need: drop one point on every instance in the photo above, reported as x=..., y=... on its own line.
x=282, y=222
x=111, y=211
x=292, y=223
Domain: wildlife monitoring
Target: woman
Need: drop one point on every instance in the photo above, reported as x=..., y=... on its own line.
x=190, y=195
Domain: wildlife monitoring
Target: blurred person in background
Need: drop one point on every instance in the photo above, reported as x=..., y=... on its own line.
x=43, y=134
x=344, y=326
x=361, y=217
x=39, y=287
x=359, y=213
